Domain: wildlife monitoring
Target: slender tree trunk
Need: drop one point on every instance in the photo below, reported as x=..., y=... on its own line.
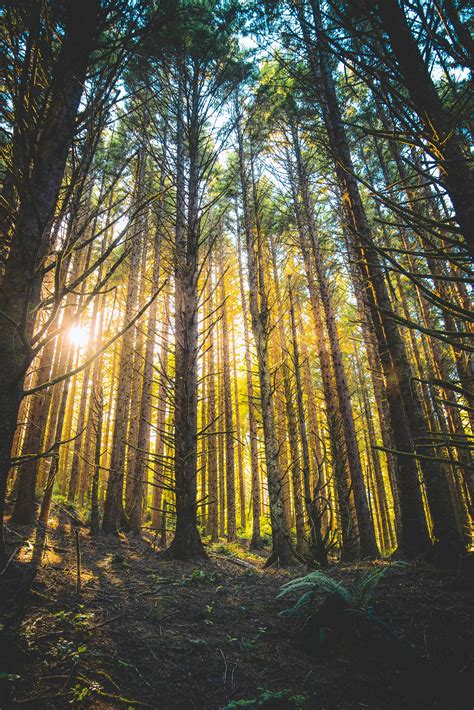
x=282, y=552
x=255, y=541
x=140, y=471
x=368, y=545
x=228, y=419
x=24, y=509
x=212, y=520
x=159, y=466
x=45, y=508
x=113, y=507
x=98, y=414
x=238, y=431
x=313, y=509
x=347, y=518
x=291, y=423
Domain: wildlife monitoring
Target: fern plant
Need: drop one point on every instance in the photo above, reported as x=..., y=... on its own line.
x=340, y=609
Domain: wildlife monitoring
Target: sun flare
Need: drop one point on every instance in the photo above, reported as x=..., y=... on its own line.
x=79, y=335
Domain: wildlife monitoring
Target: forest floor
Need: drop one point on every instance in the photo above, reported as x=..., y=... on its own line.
x=145, y=632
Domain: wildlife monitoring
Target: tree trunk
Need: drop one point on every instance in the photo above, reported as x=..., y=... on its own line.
x=113, y=507
x=347, y=519
x=238, y=431
x=228, y=419
x=255, y=541
x=313, y=508
x=443, y=142
x=282, y=552
x=368, y=545
x=140, y=472
x=186, y=543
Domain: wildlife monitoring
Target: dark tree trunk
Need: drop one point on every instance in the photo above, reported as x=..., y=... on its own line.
x=407, y=420
x=21, y=283
x=186, y=543
x=443, y=142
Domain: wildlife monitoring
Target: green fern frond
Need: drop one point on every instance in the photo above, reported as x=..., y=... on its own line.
x=364, y=590
x=318, y=582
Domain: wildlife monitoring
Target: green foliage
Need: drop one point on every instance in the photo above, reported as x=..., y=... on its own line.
x=66, y=650
x=284, y=699
x=339, y=605
x=198, y=576
x=79, y=693
x=81, y=618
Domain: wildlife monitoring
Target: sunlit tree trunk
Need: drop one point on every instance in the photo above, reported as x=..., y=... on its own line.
x=228, y=419
x=293, y=467
x=282, y=552
x=368, y=545
x=313, y=508
x=347, y=518
x=141, y=461
x=160, y=468
x=238, y=432
x=255, y=541
x=113, y=506
x=212, y=518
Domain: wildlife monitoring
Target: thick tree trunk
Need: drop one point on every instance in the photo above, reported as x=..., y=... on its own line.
x=403, y=399
x=22, y=278
x=186, y=543
x=443, y=142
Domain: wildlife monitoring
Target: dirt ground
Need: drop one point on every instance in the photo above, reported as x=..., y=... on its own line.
x=145, y=632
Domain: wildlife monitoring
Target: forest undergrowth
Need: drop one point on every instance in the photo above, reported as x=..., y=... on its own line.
x=146, y=632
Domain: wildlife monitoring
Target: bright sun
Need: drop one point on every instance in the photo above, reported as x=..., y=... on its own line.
x=79, y=335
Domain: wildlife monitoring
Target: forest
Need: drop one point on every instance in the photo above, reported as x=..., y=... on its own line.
x=236, y=354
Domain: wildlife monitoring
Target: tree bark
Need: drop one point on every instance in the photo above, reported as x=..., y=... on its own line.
x=21, y=283
x=282, y=552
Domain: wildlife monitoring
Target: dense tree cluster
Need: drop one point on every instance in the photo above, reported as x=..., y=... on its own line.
x=236, y=273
